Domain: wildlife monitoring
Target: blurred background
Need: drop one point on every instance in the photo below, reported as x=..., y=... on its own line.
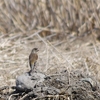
x=62, y=17
x=67, y=33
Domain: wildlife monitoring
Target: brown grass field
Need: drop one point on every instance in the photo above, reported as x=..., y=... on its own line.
x=67, y=33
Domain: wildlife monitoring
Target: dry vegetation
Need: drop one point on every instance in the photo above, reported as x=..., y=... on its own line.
x=67, y=33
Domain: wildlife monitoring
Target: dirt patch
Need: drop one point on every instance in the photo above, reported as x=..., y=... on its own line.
x=62, y=85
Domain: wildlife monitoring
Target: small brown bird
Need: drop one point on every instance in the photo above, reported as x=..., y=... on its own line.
x=33, y=58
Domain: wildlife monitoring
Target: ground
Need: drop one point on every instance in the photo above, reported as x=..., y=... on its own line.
x=79, y=56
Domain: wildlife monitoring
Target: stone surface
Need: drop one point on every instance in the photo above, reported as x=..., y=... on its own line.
x=28, y=82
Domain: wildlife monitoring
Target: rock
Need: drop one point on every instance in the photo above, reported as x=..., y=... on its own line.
x=27, y=82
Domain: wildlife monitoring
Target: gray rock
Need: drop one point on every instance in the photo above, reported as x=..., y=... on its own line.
x=28, y=82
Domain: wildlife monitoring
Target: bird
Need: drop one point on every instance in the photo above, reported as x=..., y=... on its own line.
x=33, y=57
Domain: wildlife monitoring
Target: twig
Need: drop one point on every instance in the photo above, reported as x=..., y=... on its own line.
x=12, y=95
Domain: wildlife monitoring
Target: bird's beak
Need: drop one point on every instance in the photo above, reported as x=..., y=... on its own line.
x=37, y=50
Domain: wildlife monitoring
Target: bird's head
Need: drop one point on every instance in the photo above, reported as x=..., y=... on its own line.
x=34, y=50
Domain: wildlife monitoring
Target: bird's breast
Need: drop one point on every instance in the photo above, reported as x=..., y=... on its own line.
x=33, y=57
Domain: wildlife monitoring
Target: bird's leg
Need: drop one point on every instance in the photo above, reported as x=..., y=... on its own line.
x=33, y=67
x=32, y=70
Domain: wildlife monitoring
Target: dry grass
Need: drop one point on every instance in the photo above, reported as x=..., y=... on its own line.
x=55, y=25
